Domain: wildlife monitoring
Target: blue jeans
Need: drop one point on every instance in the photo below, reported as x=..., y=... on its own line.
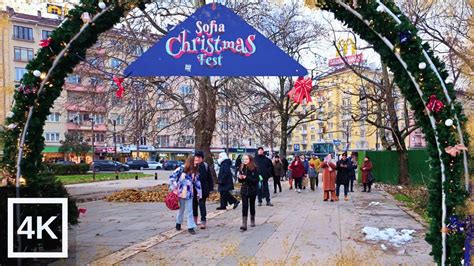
x=264, y=192
x=186, y=205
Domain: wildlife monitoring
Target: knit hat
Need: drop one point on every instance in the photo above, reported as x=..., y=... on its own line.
x=222, y=157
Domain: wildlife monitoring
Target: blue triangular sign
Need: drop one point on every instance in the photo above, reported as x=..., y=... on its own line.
x=214, y=42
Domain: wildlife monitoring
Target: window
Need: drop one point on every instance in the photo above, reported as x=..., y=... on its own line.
x=45, y=34
x=120, y=120
x=115, y=63
x=313, y=137
x=189, y=139
x=136, y=50
x=23, y=54
x=185, y=89
x=22, y=33
x=99, y=137
x=19, y=72
x=54, y=117
x=51, y=136
x=163, y=141
x=98, y=119
x=73, y=79
x=120, y=138
x=162, y=123
x=94, y=81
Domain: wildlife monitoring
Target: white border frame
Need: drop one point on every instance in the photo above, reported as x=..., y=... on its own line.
x=64, y=249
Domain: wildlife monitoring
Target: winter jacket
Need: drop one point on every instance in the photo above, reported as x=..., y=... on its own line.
x=264, y=166
x=185, y=184
x=365, y=173
x=250, y=183
x=306, y=166
x=297, y=169
x=224, y=179
x=285, y=163
x=205, y=177
x=316, y=162
x=343, y=168
x=278, y=166
x=352, y=168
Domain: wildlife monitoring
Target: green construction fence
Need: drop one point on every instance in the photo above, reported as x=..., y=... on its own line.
x=386, y=166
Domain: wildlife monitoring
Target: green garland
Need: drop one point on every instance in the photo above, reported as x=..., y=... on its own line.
x=412, y=53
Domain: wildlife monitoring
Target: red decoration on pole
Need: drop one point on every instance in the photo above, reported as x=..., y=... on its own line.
x=434, y=104
x=118, y=81
x=45, y=43
x=301, y=90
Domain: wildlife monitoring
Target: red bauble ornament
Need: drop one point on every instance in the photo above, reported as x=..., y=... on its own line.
x=434, y=104
x=118, y=81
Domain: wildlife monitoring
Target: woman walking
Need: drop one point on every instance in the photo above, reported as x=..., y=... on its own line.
x=248, y=177
x=185, y=181
x=225, y=182
x=278, y=168
x=329, y=178
x=297, y=173
x=366, y=172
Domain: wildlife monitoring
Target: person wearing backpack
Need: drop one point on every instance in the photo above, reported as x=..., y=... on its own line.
x=185, y=181
x=207, y=185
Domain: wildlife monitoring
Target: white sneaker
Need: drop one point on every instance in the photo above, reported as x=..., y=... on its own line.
x=299, y=190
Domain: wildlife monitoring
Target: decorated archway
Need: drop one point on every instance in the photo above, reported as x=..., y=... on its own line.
x=420, y=76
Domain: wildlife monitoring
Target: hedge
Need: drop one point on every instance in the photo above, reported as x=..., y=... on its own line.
x=69, y=169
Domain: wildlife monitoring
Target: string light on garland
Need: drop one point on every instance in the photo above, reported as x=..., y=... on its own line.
x=42, y=76
x=86, y=18
x=102, y=5
x=37, y=73
x=449, y=122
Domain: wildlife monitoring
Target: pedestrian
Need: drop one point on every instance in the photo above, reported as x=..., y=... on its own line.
x=238, y=163
x=352, y=173
x=265, y=170
x=225, y=182
x=343, y=168
x=185, y=182
x=366, y=172
x=329, y=178
x=278, y=166
x=284, y=162
x=306, y=170
x=248, y=177
x=316, y=162
x=207, y=185
x=297, y=173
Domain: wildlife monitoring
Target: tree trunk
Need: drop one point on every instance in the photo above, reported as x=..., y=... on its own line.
x=206, y=120
x=283, y=135
x=403, y=177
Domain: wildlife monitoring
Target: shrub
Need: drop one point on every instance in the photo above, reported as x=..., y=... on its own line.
x=66, y=169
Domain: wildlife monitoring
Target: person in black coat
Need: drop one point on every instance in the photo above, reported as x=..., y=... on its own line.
x=343, y=168
x=285, y=163
x=248, y=177
x=225, y=182
x=352, y=167
x=265, y=169
x=238, y=163
x=207, y=185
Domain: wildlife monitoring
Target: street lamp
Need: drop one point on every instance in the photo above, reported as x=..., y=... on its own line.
x=91, y=118
x=114, y=123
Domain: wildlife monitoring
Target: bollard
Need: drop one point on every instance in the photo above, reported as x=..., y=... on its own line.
x=116, y=176
x=136, y=176
x=156, y=176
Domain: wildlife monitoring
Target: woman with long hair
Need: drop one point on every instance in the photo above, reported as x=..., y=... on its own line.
x=297, y=173
x=185, y=182
x=248, y=177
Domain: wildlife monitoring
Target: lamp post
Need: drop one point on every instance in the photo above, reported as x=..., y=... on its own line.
x=91, y=118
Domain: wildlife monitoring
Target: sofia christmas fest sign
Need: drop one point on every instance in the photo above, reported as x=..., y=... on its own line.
x=215, y=42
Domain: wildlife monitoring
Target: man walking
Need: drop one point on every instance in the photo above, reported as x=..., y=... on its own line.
x=343, y=167
x=265, y=170
x=225, y=182
x=207, y=185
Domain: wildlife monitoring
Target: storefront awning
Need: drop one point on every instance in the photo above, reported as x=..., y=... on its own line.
x=51, y=149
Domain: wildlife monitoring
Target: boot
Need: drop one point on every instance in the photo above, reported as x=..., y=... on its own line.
x=336, y=198
x=244, y=223
x=178, y=227
x=346, y=198
x=365, y=187
x=203, y=225
x=252, y=220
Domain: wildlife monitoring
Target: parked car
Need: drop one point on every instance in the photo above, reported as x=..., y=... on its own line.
x=65, y=162
x=155, y=165
x=108, y=165
x=137, y=164
x=171, y=165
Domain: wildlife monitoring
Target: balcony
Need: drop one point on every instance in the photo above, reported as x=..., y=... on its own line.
x=82, y=88
x=85, y=107
x=86, y=127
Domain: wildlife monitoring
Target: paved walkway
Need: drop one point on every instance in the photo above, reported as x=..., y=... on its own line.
x=299, y=229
